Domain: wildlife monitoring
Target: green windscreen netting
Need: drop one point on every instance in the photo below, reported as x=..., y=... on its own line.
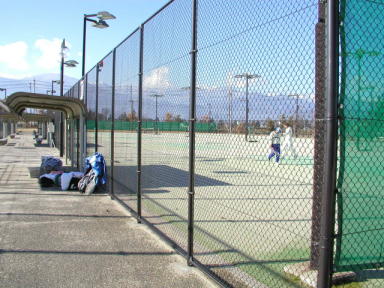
x=360, y=238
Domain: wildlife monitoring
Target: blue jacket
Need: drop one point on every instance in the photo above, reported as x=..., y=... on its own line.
x=96, y=162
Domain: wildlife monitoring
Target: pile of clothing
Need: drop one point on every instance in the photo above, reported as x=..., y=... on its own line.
x=50, y=163
x=52, y=174
x=95, y=175
x=66, y=181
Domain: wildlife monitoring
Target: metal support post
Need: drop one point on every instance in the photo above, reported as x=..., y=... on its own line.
x=84, y=41
x=78, y=141
x=97, y=107
x=319, y=128
x=61, y=134
x=112, y=193
x=329, y=192
x=139, y=124
x=12, y=127
x=44, y=130
x=67, y=140
x=62, y=94
x=83, y=123
x=246, y=107
x=192, y=121
x=85, y=83
x=82, y=138
x=5, y=129
x=72, y=136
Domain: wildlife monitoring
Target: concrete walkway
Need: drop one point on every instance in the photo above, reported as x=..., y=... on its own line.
x=52, y=238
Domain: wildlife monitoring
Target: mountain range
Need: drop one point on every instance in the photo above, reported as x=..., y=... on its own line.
x=39, y=84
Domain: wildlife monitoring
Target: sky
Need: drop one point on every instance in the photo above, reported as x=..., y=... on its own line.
x=272, y=39
x=32, y=31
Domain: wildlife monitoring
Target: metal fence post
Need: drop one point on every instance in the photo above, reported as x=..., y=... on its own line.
x=192, y=121
x=85, y=88
x=139, y=124
x=112, y=193
x=328, y=202
x=318, y=161
x=85, y=140
x=62, y=114
x=78, y=143
x=97, y=106
x=71, y=138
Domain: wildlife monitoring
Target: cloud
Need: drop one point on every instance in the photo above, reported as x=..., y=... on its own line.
x=50, y=52
x=13, y=55
x=14, y=76
x=157, y=79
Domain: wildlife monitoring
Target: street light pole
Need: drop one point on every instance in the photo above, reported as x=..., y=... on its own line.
x=157, y=119
x=63, y=47
x=247, y=76
x=296, y=112
x=209, y=111
x=246, y=108
x=54, y=81
x=230, y=109
x=84, y=37
x=131, y=101
x=61, y=94
x=103, y=15
x=69, y=63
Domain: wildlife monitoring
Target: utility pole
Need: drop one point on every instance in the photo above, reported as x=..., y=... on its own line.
x=63, y=47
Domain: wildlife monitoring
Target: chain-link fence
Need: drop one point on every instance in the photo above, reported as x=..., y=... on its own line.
x=91, y=102
x=215, y=119
x=126, y=119
x=359, y=201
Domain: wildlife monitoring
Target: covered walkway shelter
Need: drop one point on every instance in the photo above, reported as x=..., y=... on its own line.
x=72, y=143
x=8, y=124
x=9, y=121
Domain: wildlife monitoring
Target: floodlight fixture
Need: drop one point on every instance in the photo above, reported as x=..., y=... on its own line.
x=105, y=15
x=102, y=16
x=71, y=63
x=100, y=24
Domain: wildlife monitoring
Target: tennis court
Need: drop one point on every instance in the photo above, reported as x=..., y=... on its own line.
x=248, y=210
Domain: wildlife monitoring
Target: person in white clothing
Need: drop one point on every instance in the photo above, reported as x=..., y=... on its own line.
x=288, y=142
